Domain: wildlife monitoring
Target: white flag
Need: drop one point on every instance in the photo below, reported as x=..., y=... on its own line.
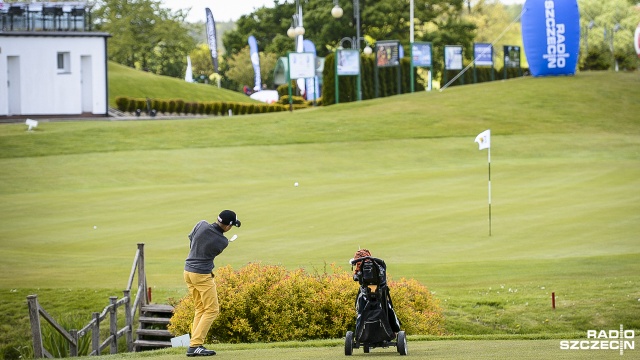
x=484, y=140
x=188, y=76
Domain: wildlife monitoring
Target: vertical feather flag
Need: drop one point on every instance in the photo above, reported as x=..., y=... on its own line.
x=188, y=77
x=484, y=142
x=637, y=40
x=311, y=84
x=211, y=39
x=255, y=60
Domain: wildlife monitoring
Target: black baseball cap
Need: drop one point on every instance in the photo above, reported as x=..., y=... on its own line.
x=228, y=217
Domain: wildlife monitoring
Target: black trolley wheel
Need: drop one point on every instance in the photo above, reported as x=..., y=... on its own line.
x=402, y=343
x=348, y=343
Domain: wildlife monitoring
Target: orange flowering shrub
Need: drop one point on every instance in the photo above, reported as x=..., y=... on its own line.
x=264, y=303
x=416, y=308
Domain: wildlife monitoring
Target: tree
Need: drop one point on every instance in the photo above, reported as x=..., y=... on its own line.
x=145, y=35
x=201, y=62
x=241, y=69
x=602, y=39
x=379, y=20
x=491, y=19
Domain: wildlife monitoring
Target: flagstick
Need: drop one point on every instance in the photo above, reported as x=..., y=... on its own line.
x=489, y=160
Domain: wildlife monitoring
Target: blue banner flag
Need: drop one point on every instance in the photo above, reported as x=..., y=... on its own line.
x=255, y=61
x=211, y=39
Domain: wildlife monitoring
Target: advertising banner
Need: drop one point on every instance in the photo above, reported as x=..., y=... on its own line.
x=387, y=53
x=453, y=57
x=302, y=65
x=551, y=35
x=483, y=54
x=348, y=62
x=255, y=61
x=211, y=39
x=421, y=54
x=511, y=56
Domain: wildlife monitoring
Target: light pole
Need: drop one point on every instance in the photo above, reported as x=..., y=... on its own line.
x=296, y=30
x=337, y=13
x=586, y=43
x=616, y=27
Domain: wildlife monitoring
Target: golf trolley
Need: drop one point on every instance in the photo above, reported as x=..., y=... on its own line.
x=374, y=311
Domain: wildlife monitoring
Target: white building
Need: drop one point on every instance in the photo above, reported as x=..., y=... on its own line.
x=51, y=73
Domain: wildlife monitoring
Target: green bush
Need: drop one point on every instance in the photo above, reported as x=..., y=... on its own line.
x=260, y=303
x=122, y=103
x=163, y=106
x=224, y=108
x=284, y=100
x=180, y=108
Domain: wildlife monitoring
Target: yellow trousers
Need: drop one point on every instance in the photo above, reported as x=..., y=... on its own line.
x=202, y=288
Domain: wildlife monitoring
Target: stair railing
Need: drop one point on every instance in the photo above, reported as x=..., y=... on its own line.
x=73, y=336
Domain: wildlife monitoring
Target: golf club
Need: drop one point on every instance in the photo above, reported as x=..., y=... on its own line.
x=233, y=238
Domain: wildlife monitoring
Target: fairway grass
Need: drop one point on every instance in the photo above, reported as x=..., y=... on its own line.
x=418, y=349
x=76, y=198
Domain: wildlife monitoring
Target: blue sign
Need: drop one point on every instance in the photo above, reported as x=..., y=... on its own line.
x=421, y=54
x=483, y=54
x=551, y=36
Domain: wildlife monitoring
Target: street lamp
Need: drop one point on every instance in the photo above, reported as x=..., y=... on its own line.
x=296, y=30
x=337, y=13
x=367, y=49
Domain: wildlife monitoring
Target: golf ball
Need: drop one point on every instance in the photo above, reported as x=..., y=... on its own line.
x=295, y=184
x=94, y=227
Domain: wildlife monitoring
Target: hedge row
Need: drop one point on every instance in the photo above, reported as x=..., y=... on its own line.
x=260, y=303
x=178, y=106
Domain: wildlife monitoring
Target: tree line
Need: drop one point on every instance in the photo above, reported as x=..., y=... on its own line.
x=148, y=37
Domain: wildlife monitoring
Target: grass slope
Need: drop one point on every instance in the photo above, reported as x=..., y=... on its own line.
x=125, y=81
x=399, y=175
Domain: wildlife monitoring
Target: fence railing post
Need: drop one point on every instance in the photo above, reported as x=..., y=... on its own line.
x=73, y=345
x=95, y=334
x=128, y=320
x=113, y=326
x=142, y=277
x=36, y=332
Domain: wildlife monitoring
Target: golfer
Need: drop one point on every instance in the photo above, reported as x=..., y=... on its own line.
x=206, y=242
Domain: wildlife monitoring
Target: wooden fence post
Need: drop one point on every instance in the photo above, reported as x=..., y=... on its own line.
x=128, y=320
x=95, y=334
x=142, y=277
x=36, y=332
x=73, y=345
x=113, y=326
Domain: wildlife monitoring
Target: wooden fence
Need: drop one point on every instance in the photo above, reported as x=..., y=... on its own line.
x=93, y=327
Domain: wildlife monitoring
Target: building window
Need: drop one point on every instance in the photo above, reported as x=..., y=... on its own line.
x=64, y=62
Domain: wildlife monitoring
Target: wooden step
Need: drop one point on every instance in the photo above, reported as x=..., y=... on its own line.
x=154, y=320
x=157, y=308
x=153, y=332
x=151, y=343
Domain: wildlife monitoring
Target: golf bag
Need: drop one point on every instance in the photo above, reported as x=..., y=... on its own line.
x=376, y=321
